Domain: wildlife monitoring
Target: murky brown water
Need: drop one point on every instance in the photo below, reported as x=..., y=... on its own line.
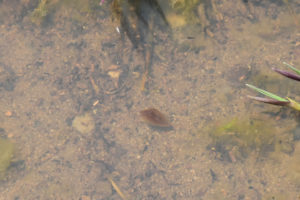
x=72, y=90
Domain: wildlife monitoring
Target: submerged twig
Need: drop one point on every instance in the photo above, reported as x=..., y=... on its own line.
x=116, y=188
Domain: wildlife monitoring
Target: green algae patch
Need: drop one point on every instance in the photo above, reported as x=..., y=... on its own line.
x=43, y=8
x=80, y=8
x=238, y=138
x=84, y=123
x=6, y=154
x=293, y=166
x=185, y=8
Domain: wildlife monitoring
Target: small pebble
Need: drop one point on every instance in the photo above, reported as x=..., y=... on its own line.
x=8, y=113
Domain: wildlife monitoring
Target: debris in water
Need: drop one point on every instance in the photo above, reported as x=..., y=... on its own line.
x=154, y=117
x=84, y=123
x=116, y=188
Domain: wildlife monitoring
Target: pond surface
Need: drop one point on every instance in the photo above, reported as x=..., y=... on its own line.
x=74, y=82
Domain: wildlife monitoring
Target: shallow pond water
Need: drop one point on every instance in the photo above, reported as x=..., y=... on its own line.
x=74, y=77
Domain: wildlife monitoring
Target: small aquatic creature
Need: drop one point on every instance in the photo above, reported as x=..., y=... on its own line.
x=154, y=117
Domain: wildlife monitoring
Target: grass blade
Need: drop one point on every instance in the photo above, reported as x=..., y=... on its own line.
x=269, y=94
x=287, y=74
x=294, y=104
x=269, y=101
x=293, y=68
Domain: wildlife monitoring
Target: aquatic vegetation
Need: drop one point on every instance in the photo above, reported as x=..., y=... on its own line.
x=240, y=137
x=289, y=74
x=40, y=12
x=154, y=117
x=6, y=155
x=293, y=168
x=188, y=12
x=185, y=8
x=277, y=100
x=47, y=7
